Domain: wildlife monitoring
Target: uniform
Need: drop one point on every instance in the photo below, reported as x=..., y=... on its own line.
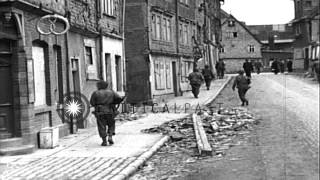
x=196, y=80
x=208, y=76
x=242, y=83
x=103, y=100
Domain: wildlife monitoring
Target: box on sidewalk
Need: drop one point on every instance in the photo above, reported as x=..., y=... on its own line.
x=49, y=137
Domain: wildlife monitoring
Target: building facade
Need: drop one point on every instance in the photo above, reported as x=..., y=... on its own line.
x=38, y=70
x=238, y=44
x=305, y=25
x=164, y=39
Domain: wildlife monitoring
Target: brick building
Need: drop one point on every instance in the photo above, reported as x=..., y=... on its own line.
x=306, y=27
x=95, y=45
x=32, y=74
x=37, y=70
x=163, y=40
x=238, y=44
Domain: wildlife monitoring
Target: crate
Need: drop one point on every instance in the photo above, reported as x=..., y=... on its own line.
x=49, y=137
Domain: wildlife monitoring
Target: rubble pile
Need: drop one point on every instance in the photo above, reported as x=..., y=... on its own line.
x=221, y=128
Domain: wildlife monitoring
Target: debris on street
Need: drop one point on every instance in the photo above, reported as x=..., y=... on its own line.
x=221, y=129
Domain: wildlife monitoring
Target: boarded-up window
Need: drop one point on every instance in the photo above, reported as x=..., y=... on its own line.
x=39, y=75
x=168, y=75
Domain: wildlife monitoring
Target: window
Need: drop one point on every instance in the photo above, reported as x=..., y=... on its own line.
x=221, y=50
x=235, y=34
x=184, y=33
x=38, y=55
x=108, y=7
x=161, y=27
x=118, y=72
x=231, y=23
x=159, y=73
x=168, y=75
x=89, y=59
x=169, y=36
x=154, y=26
x=251, y=48
x=298, y=29
x=164, y=28
x=158, y=27
x=308, y=3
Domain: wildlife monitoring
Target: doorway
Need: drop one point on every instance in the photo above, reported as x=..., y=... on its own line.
x=6, y=89
x=174, y=78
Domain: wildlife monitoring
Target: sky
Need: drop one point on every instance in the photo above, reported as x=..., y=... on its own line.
x=257, y=12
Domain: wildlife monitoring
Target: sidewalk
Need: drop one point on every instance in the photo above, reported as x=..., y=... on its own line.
x=80, y=156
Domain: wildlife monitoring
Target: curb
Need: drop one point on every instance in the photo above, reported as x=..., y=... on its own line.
x=133, y=167
x=218, y=92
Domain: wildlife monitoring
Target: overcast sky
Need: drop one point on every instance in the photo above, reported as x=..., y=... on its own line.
x=256, y=12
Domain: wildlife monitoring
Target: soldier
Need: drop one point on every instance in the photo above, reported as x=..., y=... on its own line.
x=248, y=68
x=220, y=67
x=281, y=64
x=258, y=66
x=104, y=101
x=275, y=66
x=196, y=80
x=242, y=83
x=289, y=65
x=208, y=76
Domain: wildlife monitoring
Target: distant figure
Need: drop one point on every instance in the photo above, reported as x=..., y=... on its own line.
x=220, y=67
x=104, y=101
x=196, y=80
x=208, y=76
x=275, y=66
x=248, y=68
x=281, y=64
x=289, y=65
x=258, y=66
x=242, y=83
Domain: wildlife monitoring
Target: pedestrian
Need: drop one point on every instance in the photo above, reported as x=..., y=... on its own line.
x=196, y=80
x=275, y=66
x=242, y=83
x=289, y=65
x=258, y=66
x=281, y=64
x=208, y=76
x=248, y=68
x=104, y=101
x=220, y=67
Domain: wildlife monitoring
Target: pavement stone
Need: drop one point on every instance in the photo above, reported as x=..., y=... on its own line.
x=80, y=156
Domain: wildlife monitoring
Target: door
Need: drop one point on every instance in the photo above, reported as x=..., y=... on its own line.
x=6, y=96
x=306, y=58
x=174, y=78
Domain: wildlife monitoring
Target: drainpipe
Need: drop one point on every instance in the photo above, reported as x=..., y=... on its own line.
x=124, y=77
x=179, y=93
x=68, y=59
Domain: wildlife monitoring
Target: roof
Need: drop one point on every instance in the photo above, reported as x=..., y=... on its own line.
x=281, y=31
x=242, y=25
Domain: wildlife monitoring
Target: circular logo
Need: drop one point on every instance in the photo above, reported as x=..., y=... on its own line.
x=76, y=106
x=47, y=25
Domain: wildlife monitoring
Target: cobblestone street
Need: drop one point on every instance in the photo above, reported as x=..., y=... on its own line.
x=284, y=145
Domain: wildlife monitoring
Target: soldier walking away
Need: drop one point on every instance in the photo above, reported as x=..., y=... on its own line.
x=196, y=80
x=208, y=76
x=281, y=64
x=220, y=67
x=289, y=65
x=258, y=66
x=248, y=68
x=104, y=101
x=275, y=66
x=242, y=83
